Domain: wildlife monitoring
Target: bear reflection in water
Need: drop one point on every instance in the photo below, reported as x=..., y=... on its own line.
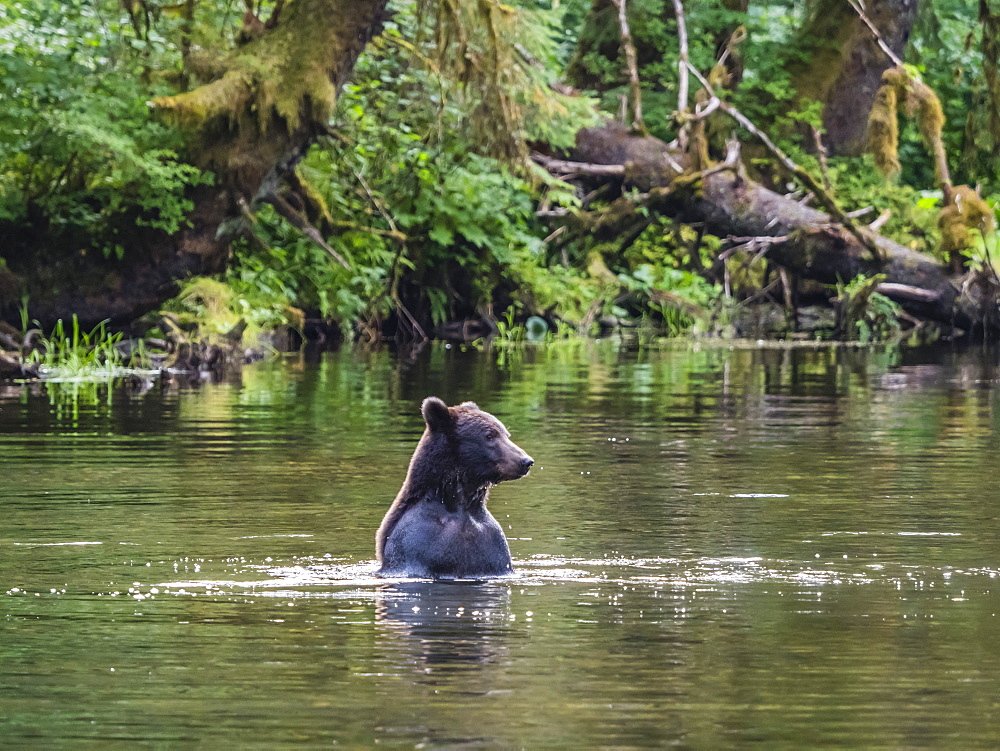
x=438, y=527
x=445, y=623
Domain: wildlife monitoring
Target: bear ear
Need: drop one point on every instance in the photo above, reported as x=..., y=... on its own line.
x=436, y=414
x=469, y=405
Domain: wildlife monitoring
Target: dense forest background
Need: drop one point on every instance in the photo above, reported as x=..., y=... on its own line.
x=425, y=168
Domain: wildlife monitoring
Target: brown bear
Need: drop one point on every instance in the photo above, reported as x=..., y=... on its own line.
x=438, y=527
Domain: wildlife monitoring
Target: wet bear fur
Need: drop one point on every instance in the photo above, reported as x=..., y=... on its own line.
x=438, y=527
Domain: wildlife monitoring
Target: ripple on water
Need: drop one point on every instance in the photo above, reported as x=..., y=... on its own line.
x=318, y=577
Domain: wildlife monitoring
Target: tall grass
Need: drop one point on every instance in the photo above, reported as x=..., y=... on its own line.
x=71, y=352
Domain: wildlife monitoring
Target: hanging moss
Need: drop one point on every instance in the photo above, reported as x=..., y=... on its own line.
x=883, y=132
x=922, y=102
x=919, y=102
x=965, y=213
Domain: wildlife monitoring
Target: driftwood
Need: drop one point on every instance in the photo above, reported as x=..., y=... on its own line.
x=812, y=244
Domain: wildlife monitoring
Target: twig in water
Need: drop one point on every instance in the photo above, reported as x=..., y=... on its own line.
x=414, y=326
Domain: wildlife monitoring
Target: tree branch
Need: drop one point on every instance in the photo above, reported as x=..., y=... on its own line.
x=682, y=71
x=878, y=37
x=580, y=168
x=908, y=292
x=297, y=220
x=631, y=60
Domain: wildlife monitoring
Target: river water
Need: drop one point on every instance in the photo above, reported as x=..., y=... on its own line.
x=717, y=547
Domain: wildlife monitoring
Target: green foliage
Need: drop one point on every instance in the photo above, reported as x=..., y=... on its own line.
x=508, y=331
x=289, y=269
x=411, y=205
x=983, y=253
x=211, y=309
x=865, y=315
x=78, y=145
x=858, y=184
x=680, y=298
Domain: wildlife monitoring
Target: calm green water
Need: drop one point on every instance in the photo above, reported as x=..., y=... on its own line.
x=716, y=549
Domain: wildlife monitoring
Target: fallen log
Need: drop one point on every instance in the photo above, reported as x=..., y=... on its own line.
x=729, y=204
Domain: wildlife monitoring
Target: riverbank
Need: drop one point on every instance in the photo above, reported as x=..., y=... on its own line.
x=193, y=347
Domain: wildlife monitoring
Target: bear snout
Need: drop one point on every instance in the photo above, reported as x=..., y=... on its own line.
x=526, y=464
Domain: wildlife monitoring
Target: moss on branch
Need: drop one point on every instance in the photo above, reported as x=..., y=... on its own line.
x=285, y=82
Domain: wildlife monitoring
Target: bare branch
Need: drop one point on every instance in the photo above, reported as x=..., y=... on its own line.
x=821, y=154
x=631, y=60
x=878, y=37
x=701, y=111
x=880, y=221
x=581, y=168
x=682, y=63
x=300, y=223
x=408, y=316
x=377, y=203
x=908, y=292
x=751, y=244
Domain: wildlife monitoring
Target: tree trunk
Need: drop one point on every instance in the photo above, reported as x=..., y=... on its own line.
x=249, y=126
x=843, y=64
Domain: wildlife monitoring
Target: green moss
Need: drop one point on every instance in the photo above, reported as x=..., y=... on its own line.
x=823, y=40
x=883, y=132
x=919, y=102
x=965, y=214
x=286, y=79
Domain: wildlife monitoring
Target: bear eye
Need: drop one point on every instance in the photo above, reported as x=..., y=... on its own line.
x=492, y=435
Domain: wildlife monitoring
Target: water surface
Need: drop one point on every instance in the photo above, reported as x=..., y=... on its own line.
x=716, y=548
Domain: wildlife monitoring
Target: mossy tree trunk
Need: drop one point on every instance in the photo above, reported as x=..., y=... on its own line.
x=837, y=61
x=272, y=97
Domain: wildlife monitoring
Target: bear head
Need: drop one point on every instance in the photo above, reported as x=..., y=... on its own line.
x=474, y=442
